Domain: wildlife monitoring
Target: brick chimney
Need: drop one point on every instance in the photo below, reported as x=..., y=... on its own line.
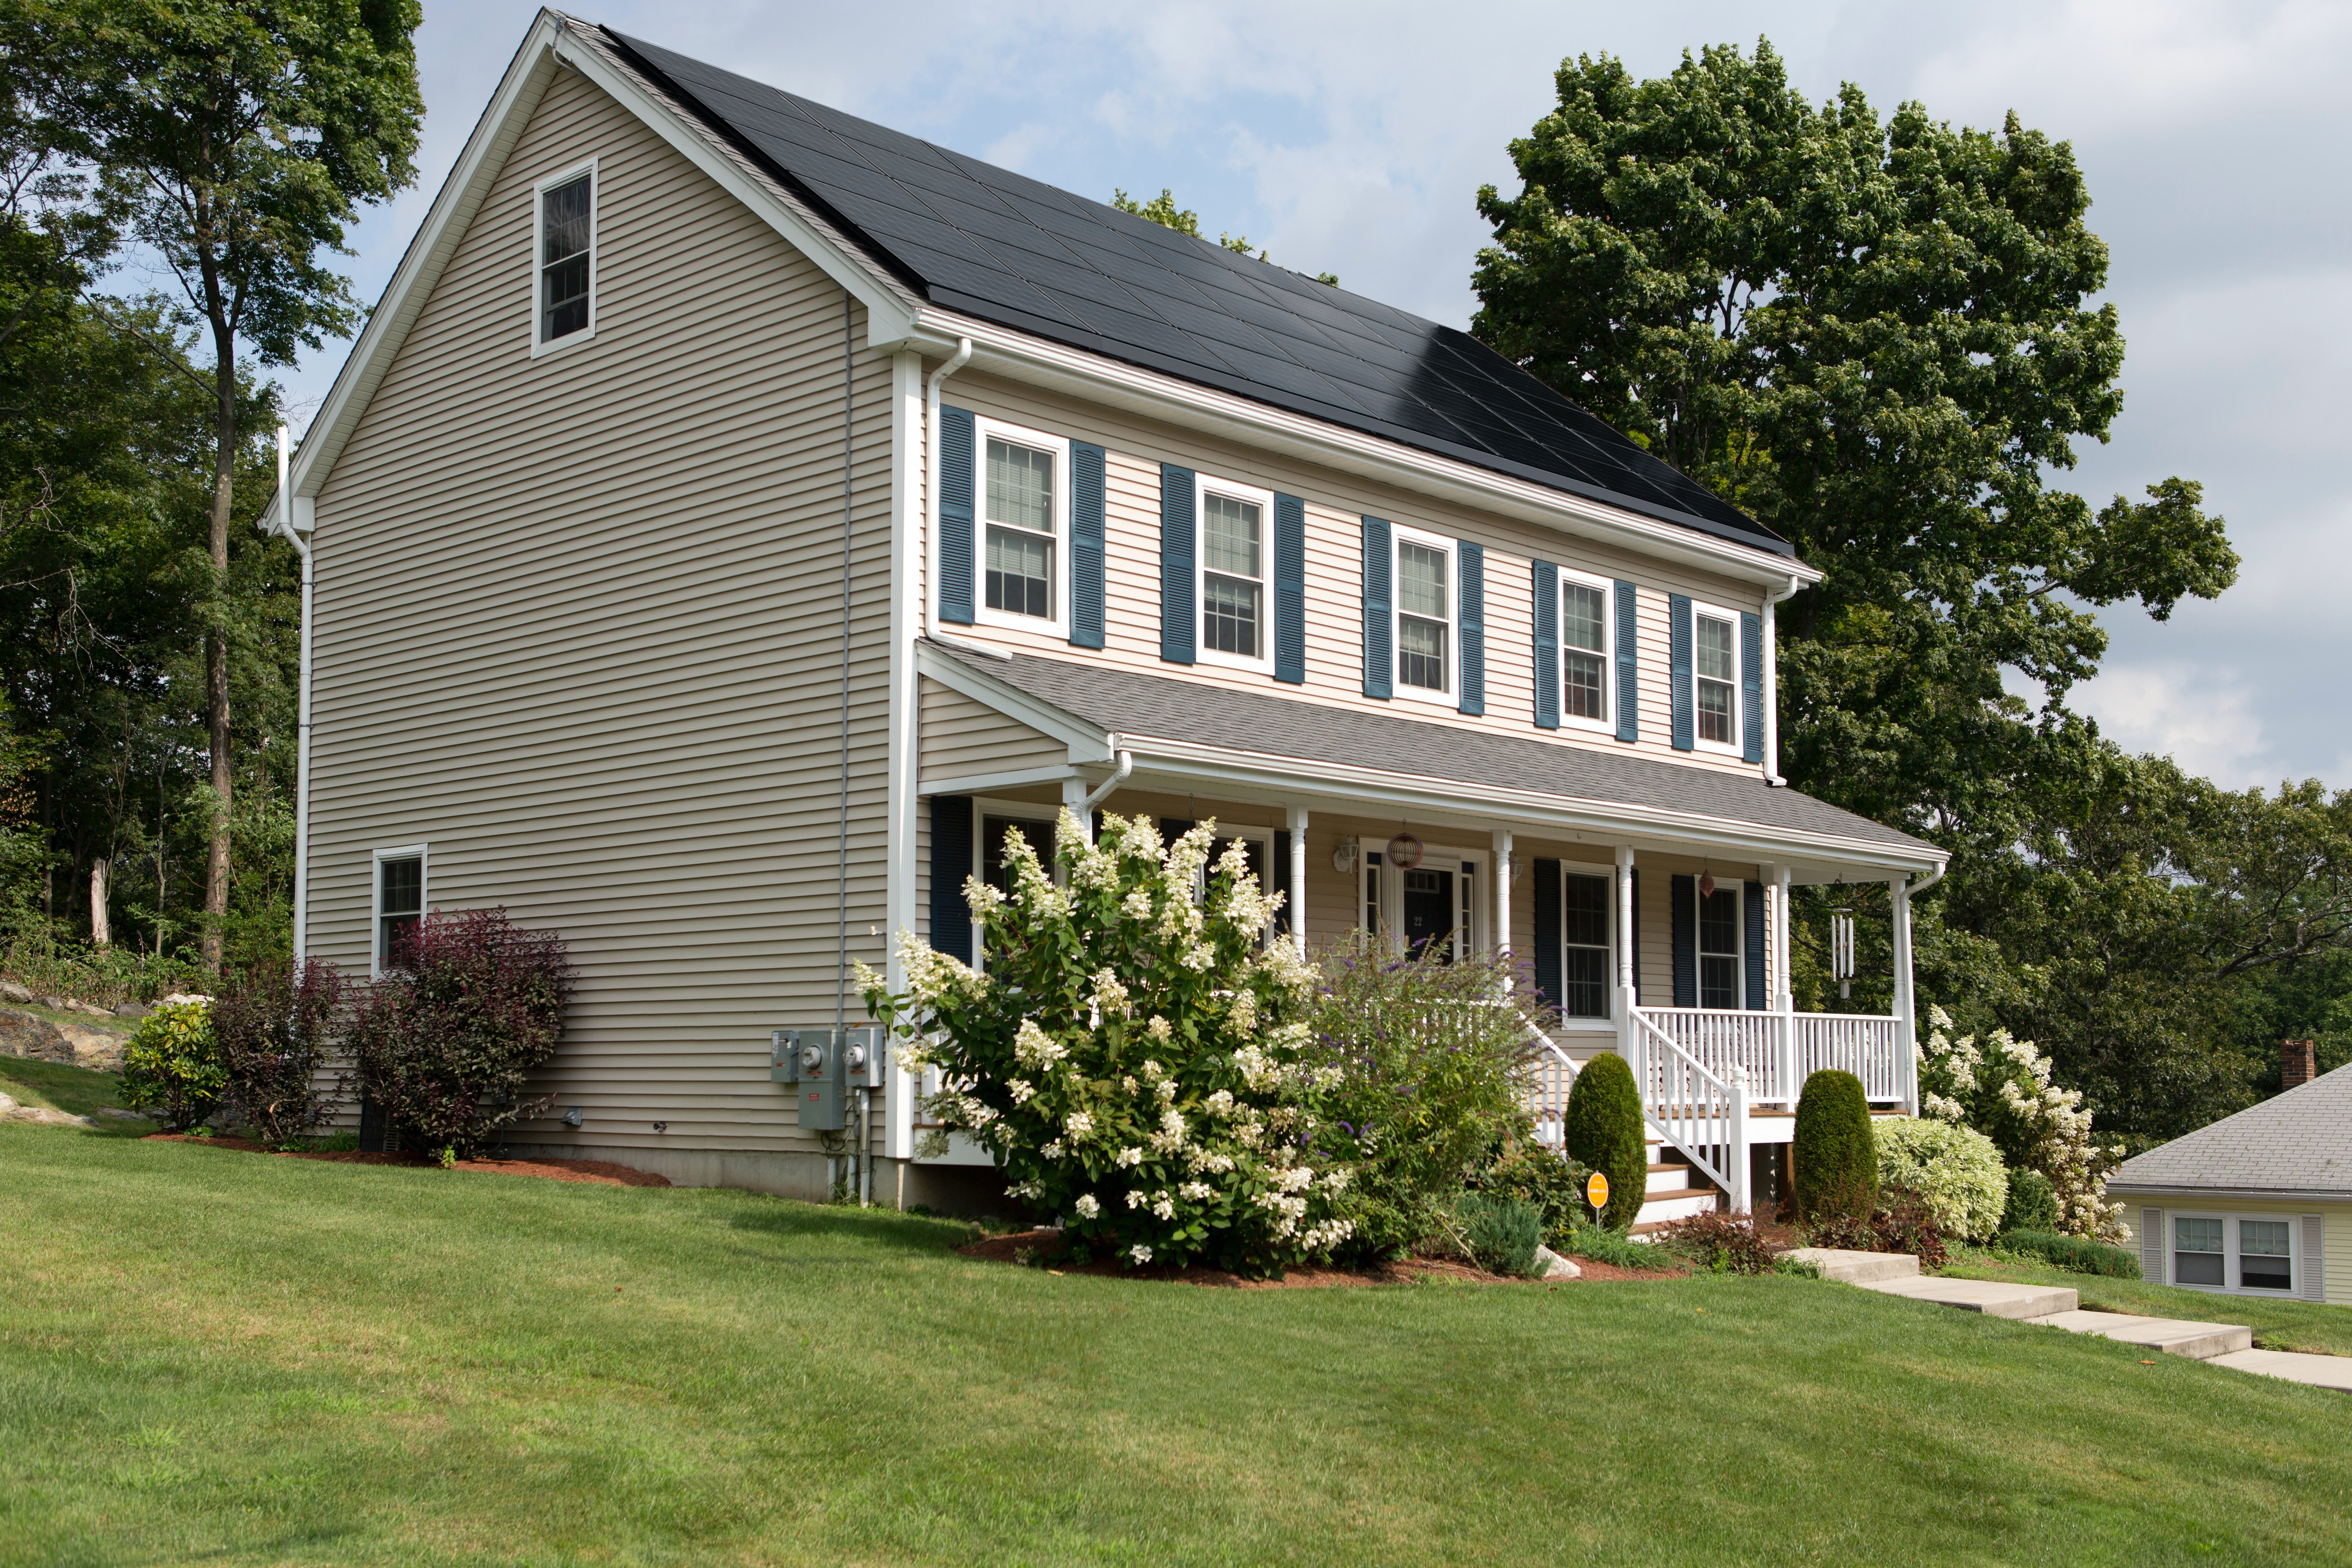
x=2298, y=1062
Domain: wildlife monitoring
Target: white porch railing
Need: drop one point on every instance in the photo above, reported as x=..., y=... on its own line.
x=1554, y=1077
x=1699, y=1112
x=1778, y=1051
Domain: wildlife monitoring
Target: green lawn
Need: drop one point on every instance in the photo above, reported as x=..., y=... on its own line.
x=2277, y=1325
x=217, y=1356
x=31, y=1081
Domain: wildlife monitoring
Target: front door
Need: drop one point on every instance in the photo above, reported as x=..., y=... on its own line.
x=1429, y=914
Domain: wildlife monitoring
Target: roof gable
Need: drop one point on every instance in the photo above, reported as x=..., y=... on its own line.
x=1003, y=247
x=2300, y=1140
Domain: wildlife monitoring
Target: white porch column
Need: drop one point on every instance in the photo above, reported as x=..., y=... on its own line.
x=1906, y=1039
x=1625, y=934
x=1737, y=1155
x=1299, y=878
x=906, y=626
x=1784, y=997
x=1503, y=891
x=1074, y=798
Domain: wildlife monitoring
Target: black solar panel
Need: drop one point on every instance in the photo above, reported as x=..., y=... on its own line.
x=1003, y=246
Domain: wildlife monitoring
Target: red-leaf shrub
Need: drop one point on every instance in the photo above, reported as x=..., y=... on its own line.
x=1724, y=1243
x=272, y=1025
x=444, y=1044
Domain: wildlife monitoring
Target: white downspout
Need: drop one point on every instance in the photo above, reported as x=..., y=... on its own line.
x=1101, y=793
x=285, y=525
x=1772, y=687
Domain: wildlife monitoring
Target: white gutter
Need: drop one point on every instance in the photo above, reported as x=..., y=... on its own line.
x=1772, y=686
x=281, y=523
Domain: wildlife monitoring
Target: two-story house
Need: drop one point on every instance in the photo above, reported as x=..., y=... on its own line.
x=736, y=517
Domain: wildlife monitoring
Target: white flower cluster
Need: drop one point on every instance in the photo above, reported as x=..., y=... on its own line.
x=1079, y=1124
x=1130, y=1156
x=1033, y=1047
x=1197, y=1192
x=1021, y=1089
x=2058, y=1128
x=1140, y=1252
x=1087, y=1206
x=1171, y=1133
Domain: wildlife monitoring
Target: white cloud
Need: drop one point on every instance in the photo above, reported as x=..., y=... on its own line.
x=2203, y=719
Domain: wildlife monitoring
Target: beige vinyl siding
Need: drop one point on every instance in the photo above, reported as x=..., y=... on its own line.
x=579, y=630
x=962, y=738
x=1336, y=506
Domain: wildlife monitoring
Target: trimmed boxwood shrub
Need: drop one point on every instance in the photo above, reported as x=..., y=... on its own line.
x=1836, y=1158
x=1502, y=1233
x=2080, y=1254
x=1604, y=1133
x=2033, y=1204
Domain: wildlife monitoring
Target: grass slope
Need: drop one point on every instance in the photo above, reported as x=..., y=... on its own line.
x=2278, y=1325
x=212, y=1355
x=32, y=1081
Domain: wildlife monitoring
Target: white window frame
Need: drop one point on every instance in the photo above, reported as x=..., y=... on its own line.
x=1400, y=536
x=1607, y=722
x=1606, y=1022
x=1738, y=888
x=1058, y=625
x=1736, y=746
x=541, y=346
x=2231, y=1219
x=423, y=855
x=1372, y=857
x=982, y=808
x=1264, y=501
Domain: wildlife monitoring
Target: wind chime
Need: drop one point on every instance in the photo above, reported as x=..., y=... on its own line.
x=1842, y=951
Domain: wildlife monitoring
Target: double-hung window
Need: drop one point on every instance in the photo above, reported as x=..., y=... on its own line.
x=1586, y=631
x=1719, y=957
x=1425, y=633
x=1715, y=672
x=1235, y=556
x=1026, y=514
x=564, y=286
x=399, y=904
x=1585, y=907
x=2240, y=1254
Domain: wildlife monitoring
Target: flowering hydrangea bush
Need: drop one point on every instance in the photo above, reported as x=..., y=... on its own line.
x=1954, y=1169
x=1132, y=1055
x=2002, y=1088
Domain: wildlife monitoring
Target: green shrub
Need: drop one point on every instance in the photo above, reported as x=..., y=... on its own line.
x=1428, y=1077
x=1605, y=1131
x=344, y=1142
x=1836, y=1159
x=2079, y=1254
x=1501, y=1233
x=1615, y=1248
x=272, y=1023
x=1903, y=1224
x=172, y=1063
x=1552, y=1182
x=1720, y=1243
x=1954, y=1169
x=2033, y=1203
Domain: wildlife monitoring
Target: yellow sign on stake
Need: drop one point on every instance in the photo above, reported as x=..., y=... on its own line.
x=1596, y=1192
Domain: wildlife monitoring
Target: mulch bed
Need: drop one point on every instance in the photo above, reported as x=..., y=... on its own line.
x=597, y=1173
x=1042, y=1245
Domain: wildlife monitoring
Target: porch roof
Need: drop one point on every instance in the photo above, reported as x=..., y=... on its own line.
x=1128, y=707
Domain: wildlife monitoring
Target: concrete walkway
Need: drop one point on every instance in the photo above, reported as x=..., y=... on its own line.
x=2222, y=1345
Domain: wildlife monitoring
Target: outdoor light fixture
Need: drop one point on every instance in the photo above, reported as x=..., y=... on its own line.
x=1343, y=859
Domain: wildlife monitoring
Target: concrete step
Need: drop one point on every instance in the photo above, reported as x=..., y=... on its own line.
x=1994, y=1298
x=2197, y=1342
x=1856, y=1267
x=1676, y=1203
x=2295, y=1366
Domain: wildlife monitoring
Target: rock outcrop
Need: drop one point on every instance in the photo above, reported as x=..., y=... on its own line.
x=25, y=1035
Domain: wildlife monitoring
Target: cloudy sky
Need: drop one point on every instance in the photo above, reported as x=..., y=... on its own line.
x=1353, y=137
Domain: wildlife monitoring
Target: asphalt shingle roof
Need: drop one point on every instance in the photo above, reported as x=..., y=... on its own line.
x=1006, y=248
x=2298, y=1142
x=1130, y=703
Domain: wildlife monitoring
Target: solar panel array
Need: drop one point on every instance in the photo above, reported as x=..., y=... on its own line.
x=1006, y=248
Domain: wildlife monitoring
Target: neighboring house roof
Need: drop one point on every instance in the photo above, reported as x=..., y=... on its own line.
x=1129, y=705
x=2298, y=1142
x=997, y=245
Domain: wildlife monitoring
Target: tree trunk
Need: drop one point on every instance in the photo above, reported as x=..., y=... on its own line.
x=216, y=647
x=101, y=935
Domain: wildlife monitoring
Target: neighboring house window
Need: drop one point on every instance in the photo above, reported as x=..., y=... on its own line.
x=399, y=901
x=1714, y=667
x=1025, y=512
x=1586, y=631
x=2265, y=1255
x=1719, y=966
x=2197, y=1256
x=1585, y=908
x=1424, y=616
x=2240, y=1254
x=565, y=287
x=1236, y=563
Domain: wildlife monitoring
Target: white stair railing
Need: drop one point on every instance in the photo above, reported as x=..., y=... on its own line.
x=1701, y=1116
x=1554, y=1077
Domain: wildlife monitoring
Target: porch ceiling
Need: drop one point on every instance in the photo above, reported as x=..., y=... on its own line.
x=1193, y=730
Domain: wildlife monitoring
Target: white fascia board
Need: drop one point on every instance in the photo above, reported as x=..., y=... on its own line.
x=551, y=44
x=997, y=783
x=1087, y=744
x=1020, y=356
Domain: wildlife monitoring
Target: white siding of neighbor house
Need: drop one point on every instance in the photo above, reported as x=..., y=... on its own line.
x=1336, y=506
x=579, y=628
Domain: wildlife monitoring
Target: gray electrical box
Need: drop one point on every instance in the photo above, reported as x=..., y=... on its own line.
x=823, y=1065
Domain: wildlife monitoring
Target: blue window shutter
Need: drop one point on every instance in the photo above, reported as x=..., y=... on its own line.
x=1633, y=938
x=1470, y=606
x=1281, y=880
x=1752, y=905
x=952, y=864
x=1550, y=978
x=1291, y=589
x=1180, y=623
x=1085, y=545
x=1629, y=674
x=1547, y=603
x=1686, y=925
x=1751, y=685
x=1679, y=611
x=1380, y=663
x=956, y=525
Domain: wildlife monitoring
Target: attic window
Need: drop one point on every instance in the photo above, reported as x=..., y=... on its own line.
x=567, y=257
